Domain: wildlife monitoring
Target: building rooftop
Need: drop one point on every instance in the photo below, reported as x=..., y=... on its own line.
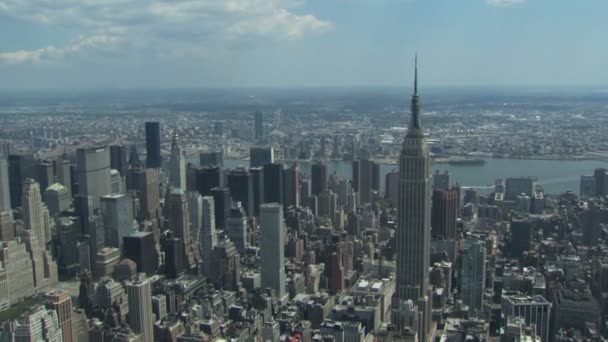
x=113, y=196
x=177, y=191
x=56, y=187
x=524, y=299
x=108, y=250
x=139, y=234
x=370, y=285
x=57, y=292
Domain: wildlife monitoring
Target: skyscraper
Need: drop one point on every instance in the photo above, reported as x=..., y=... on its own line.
x=146, y=183
x=257, y=177
x=236, y=227
x=535, y=310
x=117, y=212
x=174, y=256
x=292, y=186
x=356, y=175
x=7, y=227
x=116, y=182
x=118, y=159
x=139, y=247
x=375, y=176
x=472, y=275
x=326, y=204
x=318, y=175
x=445, y=213
x=141, y=318
x=61, y=302
x=57, y=198
x=271, y=331
x=305, y=191
x=601, y=181
x=20, y=167
x=208, y=236
x=273, y=183
x=177, y=164
x=32, y=211
x=134, y=160
x=392, y=186
x=259, y=125
x=63, y=172
x=521, y=237
x=208, y=178
x=272, y=237
x=105, y=260
x=515, y=186
x=587, y=187
x=336, y=271
x=441, y=181
x=36, y=324
x=179, y=224
x=7, y=231
x=46, y=174
x=93, y=166
x=44, y=267
x=260, y=156
x=19, y=268
x=153, y=158
x=226, y=266
x=241, y=188
x=195, y=213
x=222, y=203
x=413, y=235
x=364, y=180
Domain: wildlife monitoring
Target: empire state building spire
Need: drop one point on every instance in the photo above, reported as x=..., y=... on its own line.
x=415, y=106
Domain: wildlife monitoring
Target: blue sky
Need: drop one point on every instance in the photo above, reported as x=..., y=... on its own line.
x=291, y=43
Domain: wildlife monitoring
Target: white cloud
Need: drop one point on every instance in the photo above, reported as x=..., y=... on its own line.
x=103, y=39
x=143, y=24
x=504, y=3
x=23, y=56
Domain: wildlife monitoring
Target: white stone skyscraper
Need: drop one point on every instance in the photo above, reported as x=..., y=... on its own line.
x=36, y=324
x=177, y=164
x=272, y=248
x=33, y=218
x=195, y=212
x=141, y=317
x=19, y=270
x=413, y=235
x=208, y=238
x=94, y=178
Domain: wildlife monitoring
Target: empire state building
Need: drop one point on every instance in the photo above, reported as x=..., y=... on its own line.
x=413, y=235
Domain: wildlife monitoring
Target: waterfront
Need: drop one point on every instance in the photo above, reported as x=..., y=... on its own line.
x=556, y=176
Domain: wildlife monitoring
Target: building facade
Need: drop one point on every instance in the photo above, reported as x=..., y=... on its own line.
x=93, y=165
x=141, y=318
x=272, y=248
x=153, y=157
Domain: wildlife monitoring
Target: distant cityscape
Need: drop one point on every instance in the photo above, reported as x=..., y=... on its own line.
x=261, y=215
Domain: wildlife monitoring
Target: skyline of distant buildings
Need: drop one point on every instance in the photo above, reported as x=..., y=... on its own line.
x=108, y=245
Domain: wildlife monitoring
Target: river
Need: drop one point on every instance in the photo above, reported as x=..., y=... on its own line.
x=556, y=176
